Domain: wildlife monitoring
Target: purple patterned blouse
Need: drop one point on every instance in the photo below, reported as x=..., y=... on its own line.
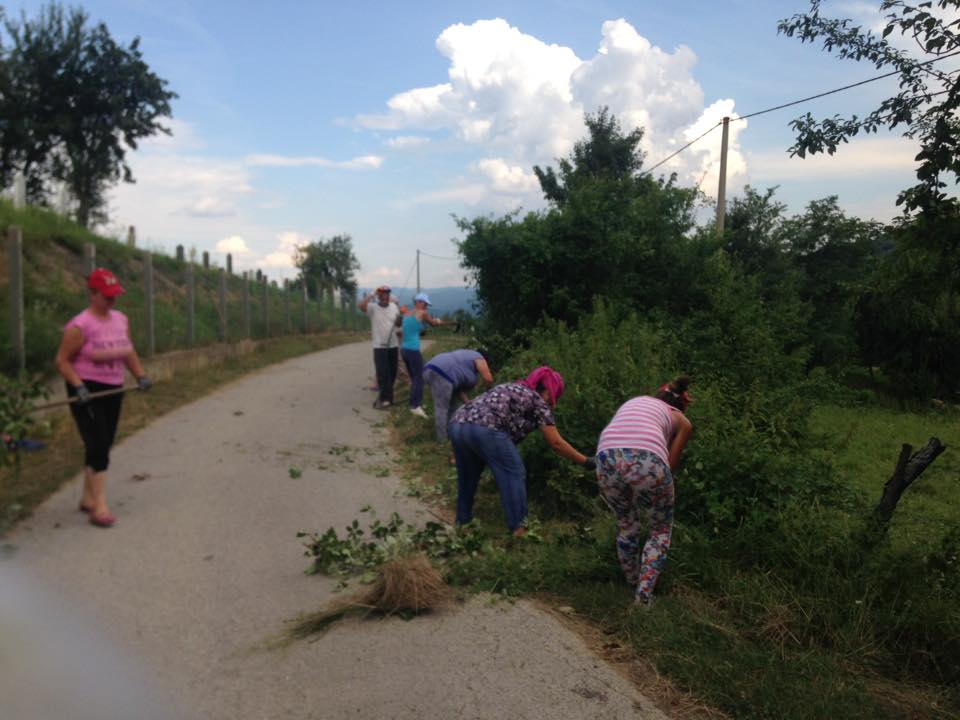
x=511, y=408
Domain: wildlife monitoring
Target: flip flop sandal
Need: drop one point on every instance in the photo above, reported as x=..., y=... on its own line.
x=84, y=508
x=103, y=520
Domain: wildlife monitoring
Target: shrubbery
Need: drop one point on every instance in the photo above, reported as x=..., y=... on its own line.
x=757, y=490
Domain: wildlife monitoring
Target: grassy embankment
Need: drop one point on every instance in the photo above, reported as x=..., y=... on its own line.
x=726, y=639
x=43, y=472
x=54, y=291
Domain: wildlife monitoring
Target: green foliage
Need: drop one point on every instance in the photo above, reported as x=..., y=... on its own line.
x=328, y=264
x=610, y=357
x=332, y=555
x=611, y=232
x=908, y=319
x=75, y=102
x=925, y=104
x=605, y=154
x=17, y=398
x=54, y=291
x=751, y=451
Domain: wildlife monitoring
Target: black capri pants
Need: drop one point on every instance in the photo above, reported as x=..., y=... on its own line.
x=97, y=422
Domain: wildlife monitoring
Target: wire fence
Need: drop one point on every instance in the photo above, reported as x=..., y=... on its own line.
x=172, y=303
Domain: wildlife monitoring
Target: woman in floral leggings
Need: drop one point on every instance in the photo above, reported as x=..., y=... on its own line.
x=636, y=455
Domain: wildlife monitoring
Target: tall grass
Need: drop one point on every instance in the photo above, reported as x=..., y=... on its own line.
x=788, y=613
x=54, y=291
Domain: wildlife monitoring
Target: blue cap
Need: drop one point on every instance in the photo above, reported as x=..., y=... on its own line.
x=422, y=297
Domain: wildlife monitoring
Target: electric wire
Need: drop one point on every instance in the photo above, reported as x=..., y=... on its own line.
x=798, y=102
x=405, y=286
x=673, y=155
x=438, y=257
x=841, y=89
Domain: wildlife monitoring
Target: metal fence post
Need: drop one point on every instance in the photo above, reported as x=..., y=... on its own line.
x=191, y=305
x=303, y=306
x=321, y=321
x=223, y=305
x=19, y=191
x=333, y=310
x=246, y=303
x=89, y=257
x=15, y=263
x=266, y=307
x=148, y=303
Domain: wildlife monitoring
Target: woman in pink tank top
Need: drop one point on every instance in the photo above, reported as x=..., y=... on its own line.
x=93, y=354
x=636, y=455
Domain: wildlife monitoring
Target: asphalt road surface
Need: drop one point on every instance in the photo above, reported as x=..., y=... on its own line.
x=172, y=611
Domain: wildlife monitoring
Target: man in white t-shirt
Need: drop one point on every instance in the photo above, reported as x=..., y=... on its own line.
x=384, y=317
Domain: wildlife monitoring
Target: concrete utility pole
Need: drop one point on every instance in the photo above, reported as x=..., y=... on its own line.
x=15, y=270
x=148, y=303
x=89, y=257
x=19, y=191
x=722, y=189
x=418, y=272
x=191, y=305
x=223, y=305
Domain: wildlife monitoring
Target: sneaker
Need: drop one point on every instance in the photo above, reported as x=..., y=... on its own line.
x=381, y=404
x=419, y=412
x=643, y=602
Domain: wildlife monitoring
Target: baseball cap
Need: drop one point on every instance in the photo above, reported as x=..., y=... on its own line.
x=105, y=283
x=383, y=288
x=422, y=297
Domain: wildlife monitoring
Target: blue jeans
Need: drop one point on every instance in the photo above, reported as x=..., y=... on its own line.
x=414, y=362
x=475, y=447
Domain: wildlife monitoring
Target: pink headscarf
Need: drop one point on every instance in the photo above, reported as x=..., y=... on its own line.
x=548, y=378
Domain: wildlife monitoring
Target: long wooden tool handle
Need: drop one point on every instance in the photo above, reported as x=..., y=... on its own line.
x=93, y=396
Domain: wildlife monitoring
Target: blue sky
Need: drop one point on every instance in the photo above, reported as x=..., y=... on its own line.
x=299, y=120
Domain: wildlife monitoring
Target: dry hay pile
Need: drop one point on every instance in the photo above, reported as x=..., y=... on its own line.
x=406, y=585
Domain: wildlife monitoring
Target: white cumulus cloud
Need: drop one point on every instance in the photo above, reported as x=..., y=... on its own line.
x=382, y=275
x=233, y=244
x=285, y=252
x=521, y=102
x=402, y=142
x=507, y=178
x=211, y=206
x=267, y=160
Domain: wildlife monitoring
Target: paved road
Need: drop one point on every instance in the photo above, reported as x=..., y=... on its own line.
x=174, y=608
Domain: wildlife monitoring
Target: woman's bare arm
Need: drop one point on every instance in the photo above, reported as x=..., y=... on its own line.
x=69, y=347
x=680, y=437
x=560, y=446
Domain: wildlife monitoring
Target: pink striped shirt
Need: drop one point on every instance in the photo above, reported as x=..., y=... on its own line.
x=643, y=423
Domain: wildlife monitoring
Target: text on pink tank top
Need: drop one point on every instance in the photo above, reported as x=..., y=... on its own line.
x=106, y=344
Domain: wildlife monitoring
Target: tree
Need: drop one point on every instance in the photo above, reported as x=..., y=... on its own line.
x=77, y=101
x=605, y=153
x=926, y=105
x=908, y=317
x=834, y=256
x=610, y=231
x=328, y=264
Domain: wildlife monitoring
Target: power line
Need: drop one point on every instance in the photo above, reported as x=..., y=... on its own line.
x=409, y=274
x=437, y=257
x=798, y=102
x=841, y=89
x=673, y=155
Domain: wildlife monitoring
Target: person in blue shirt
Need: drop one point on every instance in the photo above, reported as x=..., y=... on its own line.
x=412, y=328
x=449, y=376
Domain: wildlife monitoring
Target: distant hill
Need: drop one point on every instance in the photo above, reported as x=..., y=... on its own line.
x=446, y=300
